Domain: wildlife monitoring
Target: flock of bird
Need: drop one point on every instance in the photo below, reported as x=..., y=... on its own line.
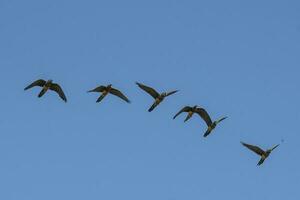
x=158, y=98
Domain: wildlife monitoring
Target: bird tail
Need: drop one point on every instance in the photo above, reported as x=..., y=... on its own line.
x=153, y=106
x=188, y=117
x=208, y=131
x=43, y=91
x=100, y=98
x=261, y=161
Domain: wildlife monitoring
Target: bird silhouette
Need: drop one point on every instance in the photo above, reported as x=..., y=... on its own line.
x=105, y=90
x=46, y=85
x=190, y=110
x=203, y=114
x=263, y=154
x=158, y=97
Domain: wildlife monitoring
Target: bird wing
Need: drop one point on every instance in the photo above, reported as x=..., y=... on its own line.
x=275, y=147
x=98, y=89
x=149, y=90
x=204, y=115
x=221, y=119
x=39, y=82
x=173, y=92
x=184, y=109
x=55, y=87
x=253, y=148
x=119, y=94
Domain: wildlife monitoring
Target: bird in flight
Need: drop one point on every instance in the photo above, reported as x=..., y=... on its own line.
x=190, y=110
x=203, y=114
x=109, y=89
x=158, y=97
x=46, y=85
x=263, y=154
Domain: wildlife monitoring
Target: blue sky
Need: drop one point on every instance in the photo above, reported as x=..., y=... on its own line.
x=236, y=59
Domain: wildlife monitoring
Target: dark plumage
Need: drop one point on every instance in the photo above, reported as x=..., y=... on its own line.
x=263, y=154
x=108, y=89
x=203, y=114
x=47, y=85
x=158, y=97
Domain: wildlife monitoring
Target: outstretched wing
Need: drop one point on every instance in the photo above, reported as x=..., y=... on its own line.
x=55, y=87
x=119, y=94
x=173, y=92
x=98, y=89
x=275, y=147
x=39, y=82
x=253, y=148
x=204, y=115
x=149, y=90
x=184, y=109
x=221, y=119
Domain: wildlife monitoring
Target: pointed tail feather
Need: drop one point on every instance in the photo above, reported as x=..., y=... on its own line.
x=100, y=98
x=208, y=131
x=43, y=91
x=153, y=106
x=261, y=161
x=187, y=117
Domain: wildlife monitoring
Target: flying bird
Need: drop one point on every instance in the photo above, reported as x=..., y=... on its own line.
x=46, y=85
x=263, y=154
x=109, y=89
x=158, y=97
x=203, y=114
x=190, y=110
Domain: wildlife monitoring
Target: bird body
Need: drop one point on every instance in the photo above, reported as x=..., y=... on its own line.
x=212, y=126
x=263, y=154
x=203, y=114
x=46, y=85
x=105, y=90
x=158, y=98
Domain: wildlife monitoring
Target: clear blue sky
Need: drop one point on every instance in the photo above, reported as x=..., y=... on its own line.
x=236, y=59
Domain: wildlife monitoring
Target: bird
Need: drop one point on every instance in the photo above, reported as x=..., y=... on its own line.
x=46, y=85
x=263, y=154
x=203, y=114
x=109, y=89
x=158, y=97
x=190, y=110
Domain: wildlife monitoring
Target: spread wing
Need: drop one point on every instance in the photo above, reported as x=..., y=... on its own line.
x=119, y=94
x=149, y=90
x=39, y=82
x=55, y=87
x=275, y=147
x=98, y=89
x=173, y=92
x=253, y=148
x=184, y=109
x=204, y=115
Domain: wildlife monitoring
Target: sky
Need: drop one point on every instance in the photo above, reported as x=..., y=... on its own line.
x=234, y=58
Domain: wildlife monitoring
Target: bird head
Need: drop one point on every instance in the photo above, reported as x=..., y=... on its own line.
x=109, y=85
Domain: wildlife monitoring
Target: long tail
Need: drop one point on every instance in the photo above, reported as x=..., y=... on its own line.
x=261, y=161
x=43, y=91
x=208, y=131
x=187, y=117
x=153, y=106
x=100, y=98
